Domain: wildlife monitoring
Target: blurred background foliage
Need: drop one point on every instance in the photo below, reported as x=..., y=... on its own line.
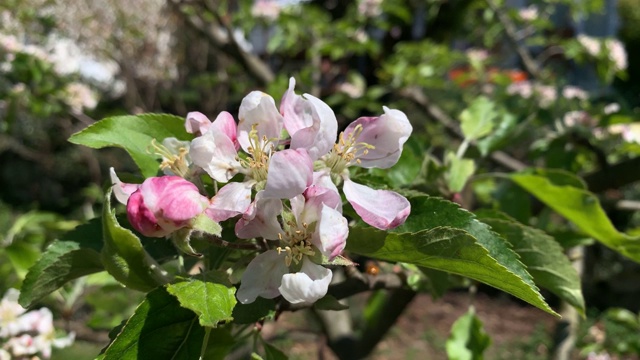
x=558, y=79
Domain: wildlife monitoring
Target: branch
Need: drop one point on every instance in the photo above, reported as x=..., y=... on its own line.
x=220, y=35
x=217, y=241
x=512, y=35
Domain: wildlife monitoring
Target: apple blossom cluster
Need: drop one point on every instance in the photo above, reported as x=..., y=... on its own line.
x=277, y=173
x=27, y=334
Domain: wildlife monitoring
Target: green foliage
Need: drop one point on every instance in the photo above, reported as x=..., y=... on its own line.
x=212, y=298
x=75, y=255
x=478, y=119
x=133, y=133
x=124, y=257
x=161, y=329
x=565, y=194
x=442, y=236
x=468, y=340
x=543, y=257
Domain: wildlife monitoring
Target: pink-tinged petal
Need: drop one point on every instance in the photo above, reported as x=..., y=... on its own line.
x=382, y=209
x=215, y=153
x=260, y=219
x=121, y=190
x=387, y=133
x=163, y=205
x=225, y=124
x=233, y=199
x=262, y=277
x=197, y=123
x=258, y=109
x=143, y=219
x=331, y=233
x=316, y=197
x=297, y=207
x=307, y=286
x=310, y=122
x=290, y=173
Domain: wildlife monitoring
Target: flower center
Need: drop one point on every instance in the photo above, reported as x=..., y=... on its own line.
x=347, y=151
x=297, y=243
x=259, y=150
x=176, y=163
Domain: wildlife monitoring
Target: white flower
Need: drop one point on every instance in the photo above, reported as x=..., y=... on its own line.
x=529, y=13
x=10, y=311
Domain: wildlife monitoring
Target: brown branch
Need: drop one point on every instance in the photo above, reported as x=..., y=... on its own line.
x=220, y=35
x=529, y=63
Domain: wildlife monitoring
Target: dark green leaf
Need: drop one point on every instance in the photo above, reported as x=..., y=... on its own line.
x=133, y=133
x=446, y=249
x=468, y=340
x=212, y=301
x=544, y=258
x=273, y=353
x=438, y=281
x=76, y=254
x=561, y=192
x=124, y=257
x=328, y=302
x=250, y=313
x=159, y=329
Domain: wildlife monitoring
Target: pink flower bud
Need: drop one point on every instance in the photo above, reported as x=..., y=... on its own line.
x=163, y=205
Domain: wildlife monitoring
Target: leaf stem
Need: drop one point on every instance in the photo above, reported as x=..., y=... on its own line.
x=205, y=342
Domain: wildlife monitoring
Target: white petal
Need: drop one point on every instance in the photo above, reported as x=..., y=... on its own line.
x=261, y=219
x=331, y=233
x=232, y=199
x=387, y=133
x=382, y=209
x=290, y=173
x=316, y=197
x=215, y=153
x=197, y=123
x=258, y=109
x=262, y=277
x=307, y=286
x=121, y=190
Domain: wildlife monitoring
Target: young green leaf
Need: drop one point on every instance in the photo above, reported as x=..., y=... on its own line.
x=159, y=329
x=544, y=258
x=124, y=257
x=468, y=340
x=75, y=255
x=478, y=119
x=213, y=301
x=133, y=133
x=459, y=171
x=561, y=191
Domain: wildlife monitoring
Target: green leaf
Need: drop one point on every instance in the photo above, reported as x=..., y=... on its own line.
x=500, y=136
x=562, y=192
x=438, y=282
x=212, y=300
x=273, y=353
x=124, y=257
x=250, y=313
x=544, y=258
x=159, y=329
x=478, y=119
x=75, y=255
x=23, y=255
x=446, y=249
x=460, y=170
x=454, y=241
x=133, y=133
x=468, y=340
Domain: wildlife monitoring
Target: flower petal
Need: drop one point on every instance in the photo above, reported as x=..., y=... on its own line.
x=307, y=286
x=121, y=190
x=262, y=277
x=232, y=199
x=197, y=123
x=310, y=122
x=215, y=153
x=258, y=109
x=225, y=124
x=382, y=209
x=387, y=133
x=260, y=219
x=290, y=173
x=331, y=233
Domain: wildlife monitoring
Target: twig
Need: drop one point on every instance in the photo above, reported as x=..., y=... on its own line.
x=512, y=35
x=215, y=240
